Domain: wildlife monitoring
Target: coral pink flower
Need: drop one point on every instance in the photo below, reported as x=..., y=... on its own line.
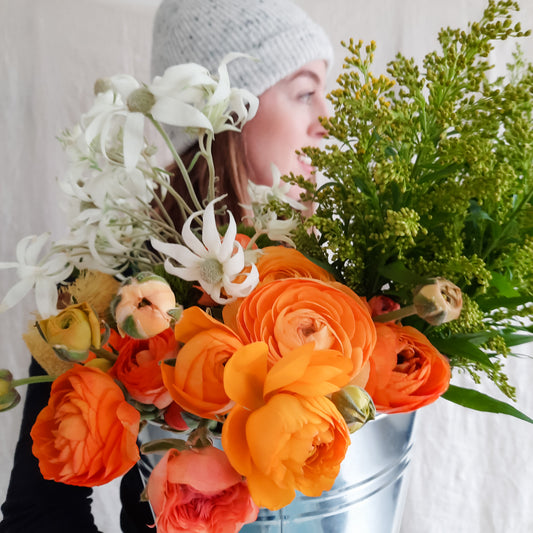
x=198, y=491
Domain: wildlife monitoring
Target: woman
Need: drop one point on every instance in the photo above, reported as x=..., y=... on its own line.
x=288, y=58
x=288, y=74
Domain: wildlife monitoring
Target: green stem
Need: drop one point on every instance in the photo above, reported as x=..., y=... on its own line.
x=179, y=162
x=206, y=152
x=526, y=199
x=33, y=379
x=182, y=204
x=409, y=310
x=104, y=354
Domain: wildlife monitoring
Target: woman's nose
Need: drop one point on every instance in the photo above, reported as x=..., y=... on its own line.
x=321, y=110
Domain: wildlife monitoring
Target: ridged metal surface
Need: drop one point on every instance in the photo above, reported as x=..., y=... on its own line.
x=368, y=495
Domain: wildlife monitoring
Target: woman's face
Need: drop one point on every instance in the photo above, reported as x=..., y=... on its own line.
x=287, y=120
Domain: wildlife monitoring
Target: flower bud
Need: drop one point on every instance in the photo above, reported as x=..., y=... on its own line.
x=355, y=405
x=438, y=302
x=72, y=332
x=142, y=304
x=141, y=100
x=99, y=362
x=9, y=397
x=102, y=85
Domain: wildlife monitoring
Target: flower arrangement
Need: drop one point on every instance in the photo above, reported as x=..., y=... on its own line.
x=285, y=332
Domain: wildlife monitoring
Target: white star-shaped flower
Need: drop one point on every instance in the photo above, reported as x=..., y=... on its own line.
x=189, y=96
x=214, y=261
x=279, y=190
x=110, y=114
x=43, y=276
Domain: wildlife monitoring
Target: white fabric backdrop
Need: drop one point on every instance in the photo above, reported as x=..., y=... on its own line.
x=470, y=472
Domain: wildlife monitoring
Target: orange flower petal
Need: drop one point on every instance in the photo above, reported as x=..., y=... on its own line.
x=192, y=321
x=245, y=373
x=234, y=440
x=309, y=372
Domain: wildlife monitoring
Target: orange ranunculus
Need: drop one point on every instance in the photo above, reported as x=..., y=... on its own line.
x=288, y=313
x=198, y=491
x=196, y=380
x=406, y=370
x=380, y=305
x=284, y=434
x=138, y=367
x=280, y=262
x=87, y=433
x=174, y=417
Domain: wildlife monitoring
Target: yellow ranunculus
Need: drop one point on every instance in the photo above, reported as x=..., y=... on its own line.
x=72, y=332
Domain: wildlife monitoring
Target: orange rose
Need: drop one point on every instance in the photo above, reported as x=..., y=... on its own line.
x=198, y=491
x=284, y=434
x=87, y=433
x=406, y=370
x=138, y=367
x=196, y=380
x=289, y=313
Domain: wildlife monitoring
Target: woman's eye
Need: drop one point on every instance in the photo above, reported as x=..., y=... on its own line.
x=306, y=97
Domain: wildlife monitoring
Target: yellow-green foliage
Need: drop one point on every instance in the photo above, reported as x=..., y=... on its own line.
x=430, y=173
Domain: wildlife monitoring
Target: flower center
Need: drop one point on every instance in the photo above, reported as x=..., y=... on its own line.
x=141, y=100
x=211, y=271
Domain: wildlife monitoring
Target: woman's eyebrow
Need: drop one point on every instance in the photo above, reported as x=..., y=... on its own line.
x=307, y=73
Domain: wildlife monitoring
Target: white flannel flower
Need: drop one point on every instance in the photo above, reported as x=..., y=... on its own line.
x=188, y=96
x=107, y=237
x=110, y=115
x=214, y=262
x=279, y=190
x=43, y=276
x=275, y=228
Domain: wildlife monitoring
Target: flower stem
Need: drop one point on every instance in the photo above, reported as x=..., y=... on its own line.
x=32, y=379
x=206, y=152
x=403, y=312
x=179, y=162
x=104, y=354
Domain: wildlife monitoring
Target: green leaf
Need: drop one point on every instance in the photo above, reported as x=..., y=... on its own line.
x=436, y=177
x=489, y=304
x=462, y=347
x=163, y=445
x=504, y=285
x=482, y=402
x=516, y=338
x=476, y=338
x=398, y=272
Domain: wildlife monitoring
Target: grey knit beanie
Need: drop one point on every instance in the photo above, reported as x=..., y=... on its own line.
x=277, y=32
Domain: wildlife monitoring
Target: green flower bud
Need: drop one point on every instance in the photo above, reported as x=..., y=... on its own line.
x=355, y=405
x=9, y=397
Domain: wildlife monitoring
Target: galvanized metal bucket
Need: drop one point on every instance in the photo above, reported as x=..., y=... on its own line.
x=369, y=493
